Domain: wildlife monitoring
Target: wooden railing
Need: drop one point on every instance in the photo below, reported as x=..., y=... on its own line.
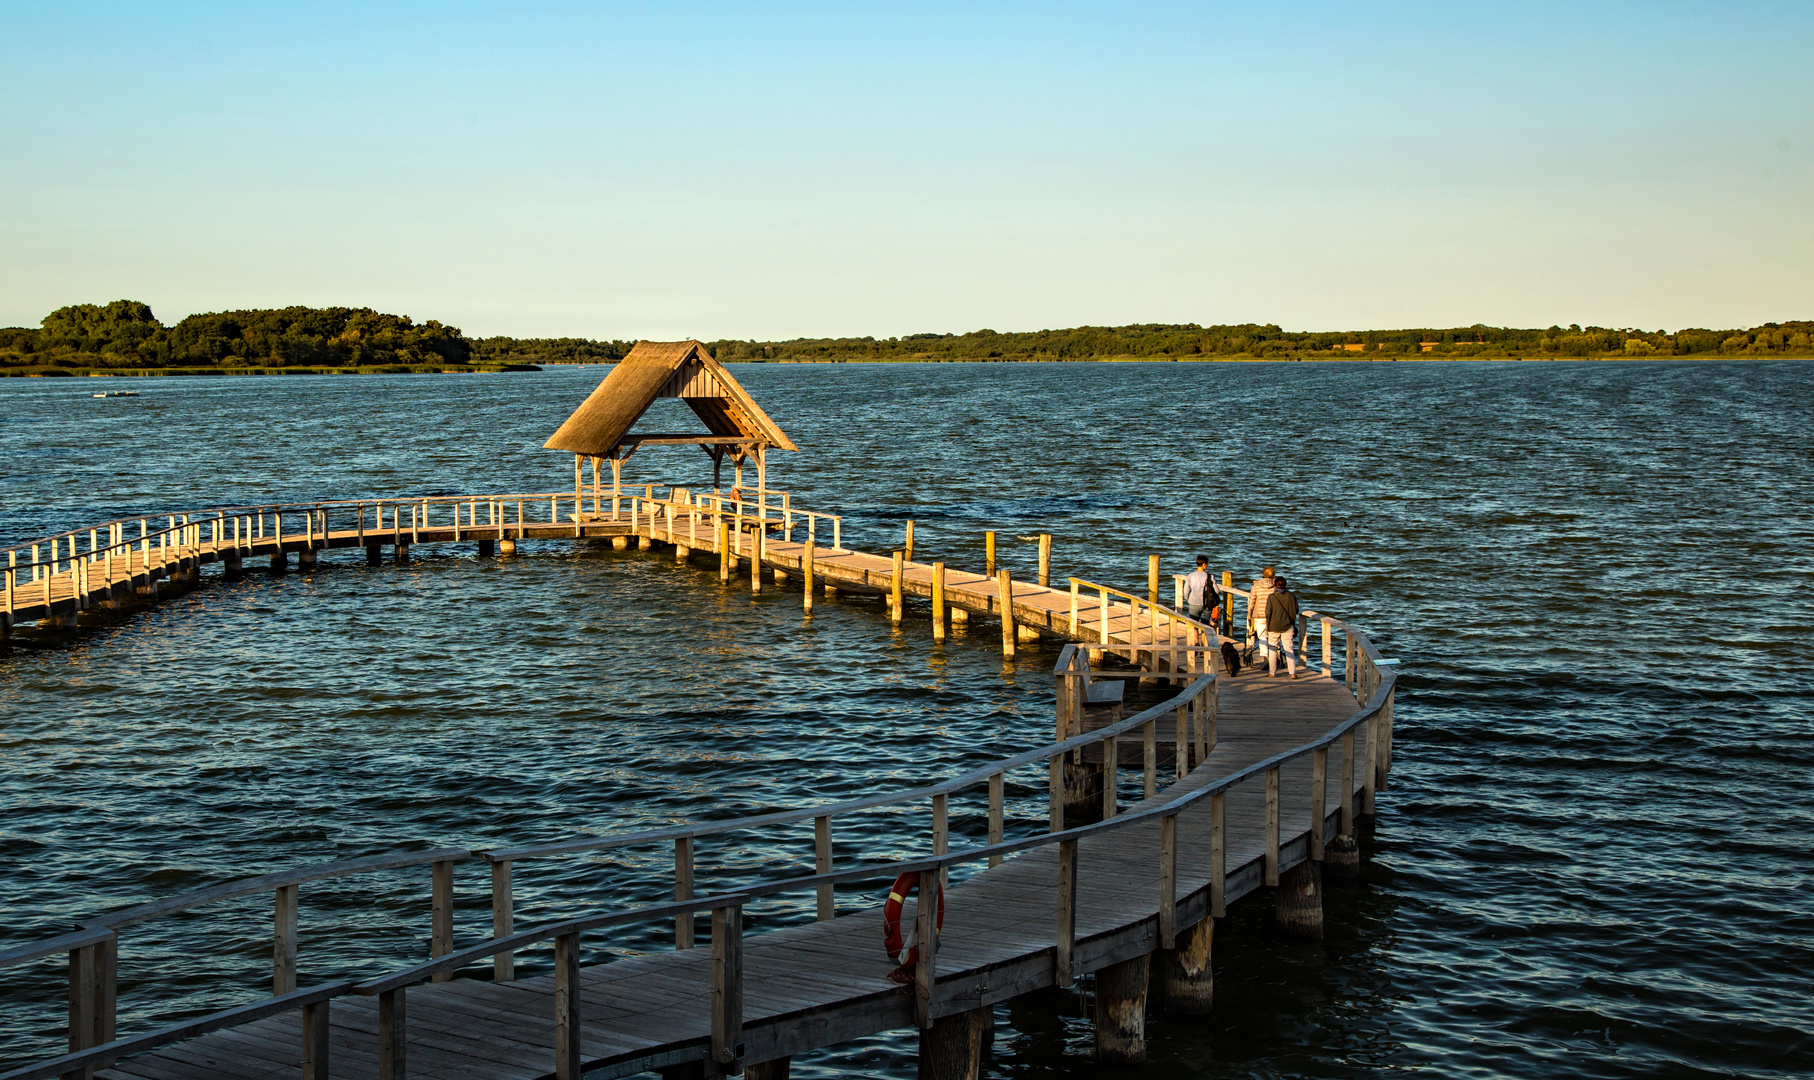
x=121, y=550
x=1187, y=647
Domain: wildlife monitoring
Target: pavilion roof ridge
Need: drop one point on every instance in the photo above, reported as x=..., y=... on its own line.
x=652, y=370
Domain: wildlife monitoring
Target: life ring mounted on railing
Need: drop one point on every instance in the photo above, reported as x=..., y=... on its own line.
x=905, y=950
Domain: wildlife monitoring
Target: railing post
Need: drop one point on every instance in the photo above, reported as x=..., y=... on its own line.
x=1319, y=785
x=925, y=964
x=503, y=919
x=1055, y=812
x=822, y=859
x=1150, y=756
x=1168, y=881
x=727, y=987
x=393, y=1034
x=1067, y=911
x=567, y=1059
x=995, y=815
x=1346, y=826
x=1272, y=826
x=315, y=1025
x=283, y=941
x=1218, y=854
x=441, y=911
x=941, y=828
x=683, y=890
x=1111, y=765
x=84, y=977
x=1348, y=666
x=1328, y=649
x=1370, y=771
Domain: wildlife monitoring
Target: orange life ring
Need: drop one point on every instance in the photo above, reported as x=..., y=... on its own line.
x=905, y=952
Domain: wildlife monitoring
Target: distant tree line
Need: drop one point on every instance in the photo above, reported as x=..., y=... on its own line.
x=125, y=334
x=566, y=350
x=1188, y=341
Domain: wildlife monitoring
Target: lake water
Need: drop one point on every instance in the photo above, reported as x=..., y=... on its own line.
x=1594, y=859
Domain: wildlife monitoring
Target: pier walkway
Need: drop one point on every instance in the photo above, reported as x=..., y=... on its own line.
x=1266, y=780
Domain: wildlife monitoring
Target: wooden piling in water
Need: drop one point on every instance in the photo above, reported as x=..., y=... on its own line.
x=1045, y=560
x=1121, y=1012
x=938, y=601
x=907, y=545
x=1005, y=585
x=806, y=574
x=1189, y=979
x=1297, y=905
x=989, y=553
x=894, y=587
x=956, y=1046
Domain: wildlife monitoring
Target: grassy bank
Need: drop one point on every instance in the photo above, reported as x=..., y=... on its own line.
x=48, y=372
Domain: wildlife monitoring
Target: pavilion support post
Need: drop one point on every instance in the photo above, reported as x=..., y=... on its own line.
x=617, y=487
x=577, y=486
x=1121, y=1012
x=1190, y=983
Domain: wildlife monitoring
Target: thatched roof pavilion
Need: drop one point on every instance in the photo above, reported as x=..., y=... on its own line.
x=735, y=425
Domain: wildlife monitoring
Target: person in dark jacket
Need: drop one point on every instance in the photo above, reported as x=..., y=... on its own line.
x=1281, y=628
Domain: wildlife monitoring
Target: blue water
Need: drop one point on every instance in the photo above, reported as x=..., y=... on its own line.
x=1593, y=860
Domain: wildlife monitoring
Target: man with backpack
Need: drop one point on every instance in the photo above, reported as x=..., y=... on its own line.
x=1281, y=628
x=1200, y=593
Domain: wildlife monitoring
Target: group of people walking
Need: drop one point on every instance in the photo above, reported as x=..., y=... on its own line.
x=1272, y=614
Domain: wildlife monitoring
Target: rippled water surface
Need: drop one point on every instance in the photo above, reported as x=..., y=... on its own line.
x=1594, y=859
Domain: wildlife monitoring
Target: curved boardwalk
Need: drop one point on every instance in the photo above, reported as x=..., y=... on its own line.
x=1278, y=766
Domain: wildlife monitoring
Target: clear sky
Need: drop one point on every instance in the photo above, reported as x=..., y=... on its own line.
x=813, y=169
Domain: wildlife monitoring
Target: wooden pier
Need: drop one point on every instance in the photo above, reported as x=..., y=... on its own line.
x=1155, y=823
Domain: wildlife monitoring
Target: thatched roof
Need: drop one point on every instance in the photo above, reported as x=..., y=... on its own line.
x=658, y=369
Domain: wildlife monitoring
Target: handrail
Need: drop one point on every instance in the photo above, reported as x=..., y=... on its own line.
x=1370, y=678
x=945, y=787
x=227, y=890
x=213, y=513
x=1169, y=808
x=243, y=1014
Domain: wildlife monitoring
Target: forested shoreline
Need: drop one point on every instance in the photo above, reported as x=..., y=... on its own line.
x=126, y=335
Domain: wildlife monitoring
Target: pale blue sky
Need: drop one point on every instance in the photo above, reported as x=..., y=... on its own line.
x=811, y=169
